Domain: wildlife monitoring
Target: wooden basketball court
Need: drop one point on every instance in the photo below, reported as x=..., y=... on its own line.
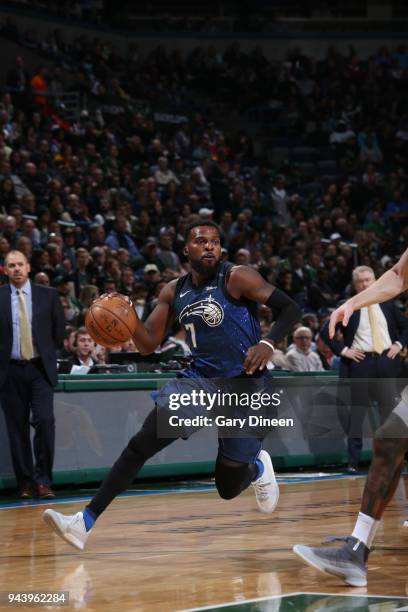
x=179, y=549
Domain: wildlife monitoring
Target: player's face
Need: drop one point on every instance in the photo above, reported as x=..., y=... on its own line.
x=203, y=249
x=17, y=269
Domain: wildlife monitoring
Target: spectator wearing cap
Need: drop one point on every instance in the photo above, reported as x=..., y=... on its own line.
x=301, y=358
x=224, y=254
x=206, y=214
x=151, y=275
x=119, y=237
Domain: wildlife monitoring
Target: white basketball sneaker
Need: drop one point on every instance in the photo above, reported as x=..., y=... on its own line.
x=71, y=528
x=266, y=487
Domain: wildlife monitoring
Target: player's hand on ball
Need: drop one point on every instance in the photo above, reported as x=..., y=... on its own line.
x=257, y=357
x=115, y=294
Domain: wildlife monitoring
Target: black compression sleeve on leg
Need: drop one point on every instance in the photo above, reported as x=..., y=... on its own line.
x=140, y=448
x=233, y=477
x=286, y=313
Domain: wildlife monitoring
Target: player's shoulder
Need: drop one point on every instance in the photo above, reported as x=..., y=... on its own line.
x=241, y=273
x=169, y=290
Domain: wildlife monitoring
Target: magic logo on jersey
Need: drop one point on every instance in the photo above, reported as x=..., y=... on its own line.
x=210, y=311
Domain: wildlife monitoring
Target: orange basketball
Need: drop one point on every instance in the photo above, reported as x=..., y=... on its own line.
x=111, y=320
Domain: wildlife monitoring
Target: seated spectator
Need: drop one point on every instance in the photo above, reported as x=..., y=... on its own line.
x=166, y=256
x=329, y=360
x=71, y=305
x=82, y=360
x=87, y=295
x=163, y=174
x=301, y=358
x=68, y=350
x=120, y=238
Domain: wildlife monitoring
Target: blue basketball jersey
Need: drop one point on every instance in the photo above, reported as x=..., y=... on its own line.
x=219, y=328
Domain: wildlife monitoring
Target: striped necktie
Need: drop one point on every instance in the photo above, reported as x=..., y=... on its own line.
x=26, y=340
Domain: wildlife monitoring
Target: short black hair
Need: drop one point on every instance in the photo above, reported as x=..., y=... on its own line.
x=200, y=224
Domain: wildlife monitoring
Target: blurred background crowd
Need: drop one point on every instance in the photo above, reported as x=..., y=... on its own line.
x=99, y=200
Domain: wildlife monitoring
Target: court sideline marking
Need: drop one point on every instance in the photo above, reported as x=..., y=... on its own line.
x=172, y=491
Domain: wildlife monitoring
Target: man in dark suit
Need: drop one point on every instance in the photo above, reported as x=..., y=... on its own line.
x=369, y=353
x=31, y=327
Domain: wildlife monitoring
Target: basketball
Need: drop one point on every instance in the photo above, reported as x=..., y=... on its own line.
x=111, y=320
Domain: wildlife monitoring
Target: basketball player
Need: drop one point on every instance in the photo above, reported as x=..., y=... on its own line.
x=217, y=305
x=349, y=562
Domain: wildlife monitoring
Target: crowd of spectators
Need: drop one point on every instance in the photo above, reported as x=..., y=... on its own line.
x=100, y=202
x=211, y=17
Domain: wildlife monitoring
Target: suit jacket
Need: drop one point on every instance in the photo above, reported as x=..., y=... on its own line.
x=48, y=325
x=397, y=328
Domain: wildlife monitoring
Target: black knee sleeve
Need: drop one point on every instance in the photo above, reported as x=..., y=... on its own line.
x=141, y=447
x=146, y=443
x=232, y=477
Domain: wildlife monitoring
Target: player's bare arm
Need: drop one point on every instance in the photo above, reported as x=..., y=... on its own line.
x=149, y=334
x=388, y=286
x=245, y=282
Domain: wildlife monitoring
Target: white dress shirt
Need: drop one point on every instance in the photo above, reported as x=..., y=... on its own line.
x=363, y=339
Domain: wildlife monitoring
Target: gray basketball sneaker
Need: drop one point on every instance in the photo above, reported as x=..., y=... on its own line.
x=348, y=562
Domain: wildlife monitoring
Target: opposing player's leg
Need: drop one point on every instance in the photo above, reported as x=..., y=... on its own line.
x=242, y=462
x=75, y=529
x=349, y=562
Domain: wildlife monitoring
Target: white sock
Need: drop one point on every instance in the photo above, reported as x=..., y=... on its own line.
x=365, y=529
